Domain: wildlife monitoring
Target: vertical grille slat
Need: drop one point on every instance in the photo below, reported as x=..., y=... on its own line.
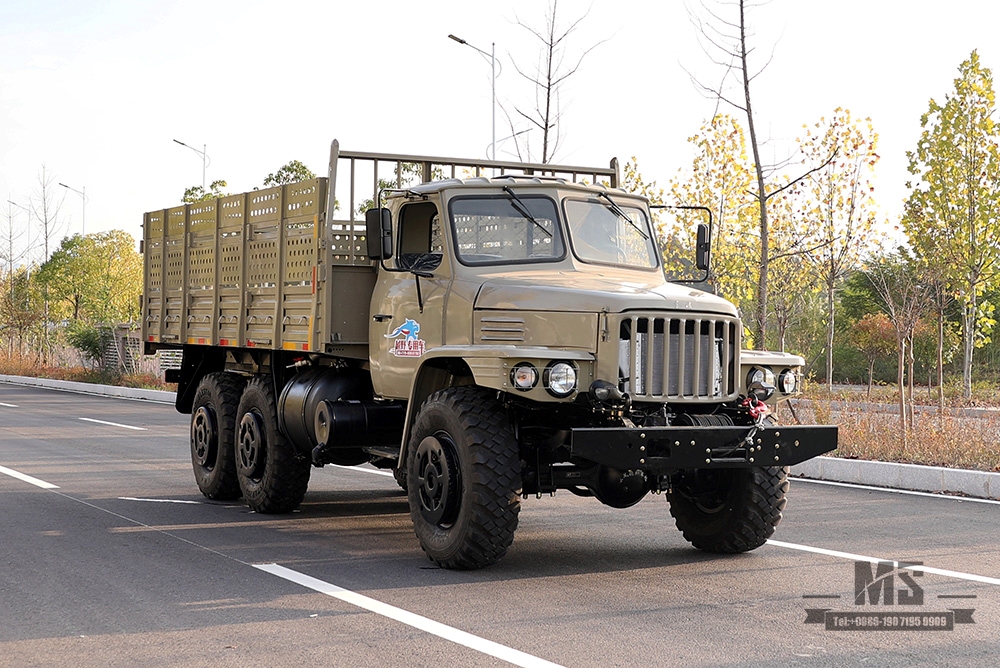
x=667, y=347
x=633, y=364
x=678, y=359
x=696, y=379
x=725, y=367
x=682, y=360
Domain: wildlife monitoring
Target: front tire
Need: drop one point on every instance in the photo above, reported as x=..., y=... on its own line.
x=463, y=478
x=728, y=510
x=213, y=425
x=272, y=475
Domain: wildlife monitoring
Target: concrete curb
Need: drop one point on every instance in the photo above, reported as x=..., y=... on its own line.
x=979, y=484
x=159, y=396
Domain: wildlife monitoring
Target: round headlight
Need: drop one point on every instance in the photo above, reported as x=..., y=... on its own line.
x=787, y=382
x=760, y=374
x=524, y=377
x=560, y=379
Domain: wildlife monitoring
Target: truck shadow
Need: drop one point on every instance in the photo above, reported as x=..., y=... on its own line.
x=570, y=537
x=354, y=503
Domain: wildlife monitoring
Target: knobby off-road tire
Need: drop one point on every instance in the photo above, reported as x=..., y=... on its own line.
x=213, y=424
x=463, y=478
x=400, y=475
x=728, y=510
x=272, y=475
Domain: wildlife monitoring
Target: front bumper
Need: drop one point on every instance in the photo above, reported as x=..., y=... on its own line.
x=662, y=450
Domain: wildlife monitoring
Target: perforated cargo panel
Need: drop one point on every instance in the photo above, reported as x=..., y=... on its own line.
x=240, y=270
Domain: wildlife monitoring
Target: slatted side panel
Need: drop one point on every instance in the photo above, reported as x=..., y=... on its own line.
x=152, y=226
x=239, y=271
x=229, y=295
x=262, y=266
x=173, y=275
x=302, y=204
x=201, y=272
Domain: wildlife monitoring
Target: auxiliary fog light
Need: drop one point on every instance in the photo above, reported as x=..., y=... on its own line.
x=560, y=379
x=787, y=381
x=762, y=375
x=524, y=376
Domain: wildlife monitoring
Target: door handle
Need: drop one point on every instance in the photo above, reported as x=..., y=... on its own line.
x=382, y=317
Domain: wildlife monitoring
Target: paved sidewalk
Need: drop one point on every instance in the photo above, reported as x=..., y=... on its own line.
x=980, y=484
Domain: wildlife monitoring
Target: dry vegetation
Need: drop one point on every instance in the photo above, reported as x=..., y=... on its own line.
x=28, y=366
x=966, y=436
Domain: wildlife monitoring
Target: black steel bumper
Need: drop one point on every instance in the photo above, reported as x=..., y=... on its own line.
x=660, y=450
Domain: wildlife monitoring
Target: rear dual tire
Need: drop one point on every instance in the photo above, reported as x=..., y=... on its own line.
x=272, y=475
x=213, y=423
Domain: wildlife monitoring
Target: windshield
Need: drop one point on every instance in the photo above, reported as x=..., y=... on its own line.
x=503, y=229
x=605, y=233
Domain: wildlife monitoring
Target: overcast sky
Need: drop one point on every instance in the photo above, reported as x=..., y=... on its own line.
x=97, y=91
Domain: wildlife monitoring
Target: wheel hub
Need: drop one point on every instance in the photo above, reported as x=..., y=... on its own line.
x=250, y=454
x=204, y=436
x=438, y=480
x=710, y=490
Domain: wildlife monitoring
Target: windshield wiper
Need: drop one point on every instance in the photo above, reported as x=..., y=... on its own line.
x=621, y=212
x=516, y=202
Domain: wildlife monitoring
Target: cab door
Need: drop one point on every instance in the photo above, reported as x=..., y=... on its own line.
x=408, y=303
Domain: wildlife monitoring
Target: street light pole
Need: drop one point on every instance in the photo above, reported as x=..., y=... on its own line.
x=493, y=87
x=83, y=194
x=22, y=208
x=204, y=159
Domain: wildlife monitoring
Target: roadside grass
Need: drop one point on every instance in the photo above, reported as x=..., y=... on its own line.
x=28, y=366
x=983, y=394
x=950, y=440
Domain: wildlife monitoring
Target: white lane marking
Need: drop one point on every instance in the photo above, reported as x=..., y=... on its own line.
x=363, y=470
x=8, y=405
x=933, y=495
x=113, y=424
x=488, y=647
x=27, y=478
x=860, y=557
x=132, y=498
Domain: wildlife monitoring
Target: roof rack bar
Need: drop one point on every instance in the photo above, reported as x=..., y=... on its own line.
x=527, y=167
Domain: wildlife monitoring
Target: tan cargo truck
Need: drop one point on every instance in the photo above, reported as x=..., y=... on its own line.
x=497, y=331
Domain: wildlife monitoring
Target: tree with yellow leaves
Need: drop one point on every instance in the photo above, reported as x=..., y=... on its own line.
x=838, y=208
x=953, y=213
x=720, y=179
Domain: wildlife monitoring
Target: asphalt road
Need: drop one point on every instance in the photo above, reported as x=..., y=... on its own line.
x=109, y=556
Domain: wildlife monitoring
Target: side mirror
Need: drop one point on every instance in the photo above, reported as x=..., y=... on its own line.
x=378, y=226
x=703, y=248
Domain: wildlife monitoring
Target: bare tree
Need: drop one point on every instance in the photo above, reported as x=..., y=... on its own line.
x=14, y=244
x=46, y=209
x=727, y=44
x=14, y=247
x=905, y=295
x=548, y=76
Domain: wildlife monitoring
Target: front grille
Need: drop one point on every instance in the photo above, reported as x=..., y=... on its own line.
x=678, y=359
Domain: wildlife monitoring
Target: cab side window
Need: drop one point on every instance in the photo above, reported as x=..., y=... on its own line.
x=420, y=238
